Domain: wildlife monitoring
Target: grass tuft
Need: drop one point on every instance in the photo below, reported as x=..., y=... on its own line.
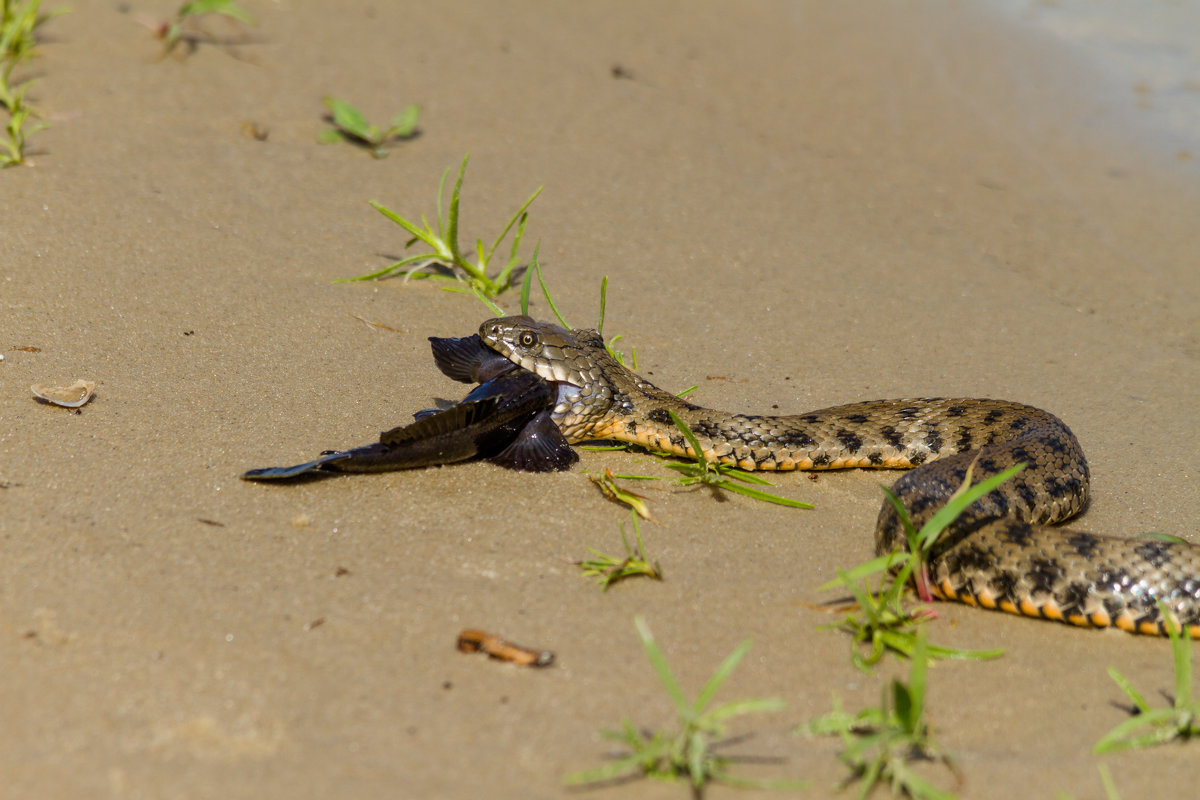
x=609, y=569
x=882, y=623
x=446, y=259
x=880, y=743
x=19, y=24
x=1151, y=726
x=689, y=752
x=351, y=126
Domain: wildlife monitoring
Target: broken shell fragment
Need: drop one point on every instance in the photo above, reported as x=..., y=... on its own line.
x=72, y=396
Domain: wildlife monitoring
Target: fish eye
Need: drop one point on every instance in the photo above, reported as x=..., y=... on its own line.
x=528, y=339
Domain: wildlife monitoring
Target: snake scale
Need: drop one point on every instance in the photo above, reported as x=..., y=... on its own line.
x=1000, y=554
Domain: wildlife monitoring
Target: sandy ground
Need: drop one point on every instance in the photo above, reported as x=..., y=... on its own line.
x=800, y=205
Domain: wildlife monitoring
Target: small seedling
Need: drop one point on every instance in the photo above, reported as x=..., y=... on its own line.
x=1180, y=721
x=13, y=148
x=689, y=752
x=352, y=126
x=883, y=624
x=19, y=22
x=608, y=569
x=172, y=31
x=447, y=255
x=881, y=742
x=607, y=483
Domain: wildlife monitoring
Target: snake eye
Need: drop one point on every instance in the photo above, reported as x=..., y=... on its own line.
x=528, y=339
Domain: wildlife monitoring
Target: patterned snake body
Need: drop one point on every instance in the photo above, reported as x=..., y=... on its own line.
x=999, y=554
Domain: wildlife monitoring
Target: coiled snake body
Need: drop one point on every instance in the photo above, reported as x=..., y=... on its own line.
x=999, y=554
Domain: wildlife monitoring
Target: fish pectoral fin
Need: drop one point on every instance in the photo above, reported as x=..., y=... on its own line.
x=283, y=473
x=467, y=360
x=539, y=447
x=441, y=423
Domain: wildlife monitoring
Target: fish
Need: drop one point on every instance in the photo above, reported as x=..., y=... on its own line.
x=505, y=420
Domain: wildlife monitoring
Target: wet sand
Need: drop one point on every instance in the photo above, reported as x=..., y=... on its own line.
x=796, y=206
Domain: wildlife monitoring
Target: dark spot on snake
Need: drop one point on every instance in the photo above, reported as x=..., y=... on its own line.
x=1055, y=445
x=933, y=440
x=875, y=458
x=811, y=419
x=856, y=419
x=917, y=459
x=1155, y=553
x=1085, y=544
x=1073, y=598
x=661, y=416
x=1027, y=494
x=892, y=436
x=1019, y=423
x=908, y=412
x=955, y=411
x=919, y=504
x=970, y=557
x=1043, y=574
x=631, y=428
x=1021, y=453
x=690, y=406
x=796, y=439
x=1004, y=584
x=849, y=440
x=993, y=415
x=988, y=466
x=1114, y=606
x=1017, y=533
x=821, y=460
x=964, y=440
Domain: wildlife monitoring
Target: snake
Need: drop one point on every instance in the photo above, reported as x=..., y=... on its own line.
x=1003, y=552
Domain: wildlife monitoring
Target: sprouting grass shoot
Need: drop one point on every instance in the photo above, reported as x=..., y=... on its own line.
x=883, y=624
x=1150, y=726
x=689, y=752
x=445, y=259
x=880, y=743
x=349, y=125
x=608, y=570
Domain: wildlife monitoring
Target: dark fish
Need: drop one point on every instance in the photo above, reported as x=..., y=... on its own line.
x=467, y=360
x=505, y=420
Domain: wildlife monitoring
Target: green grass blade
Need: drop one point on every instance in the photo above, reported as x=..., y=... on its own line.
x=697, y=450
x=537, y=267
x=487, y=301
x=719, y=676
x=388, y=270
x=1181, y=657
x=349, y=118
x=452, y=220
x=1133, y=694
x=738, y=708
x=425, y=235
x=955, y=507
x=520, y=213
x=854, y=575
x=404, y=124
x=659, y=662
x=505, y=276
x=758, y=494
x=527, y=281
x=603, y=299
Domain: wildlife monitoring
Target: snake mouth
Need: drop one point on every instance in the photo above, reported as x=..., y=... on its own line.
x=567, y=395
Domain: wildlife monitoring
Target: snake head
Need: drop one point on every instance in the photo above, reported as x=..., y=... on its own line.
x=575, y=362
